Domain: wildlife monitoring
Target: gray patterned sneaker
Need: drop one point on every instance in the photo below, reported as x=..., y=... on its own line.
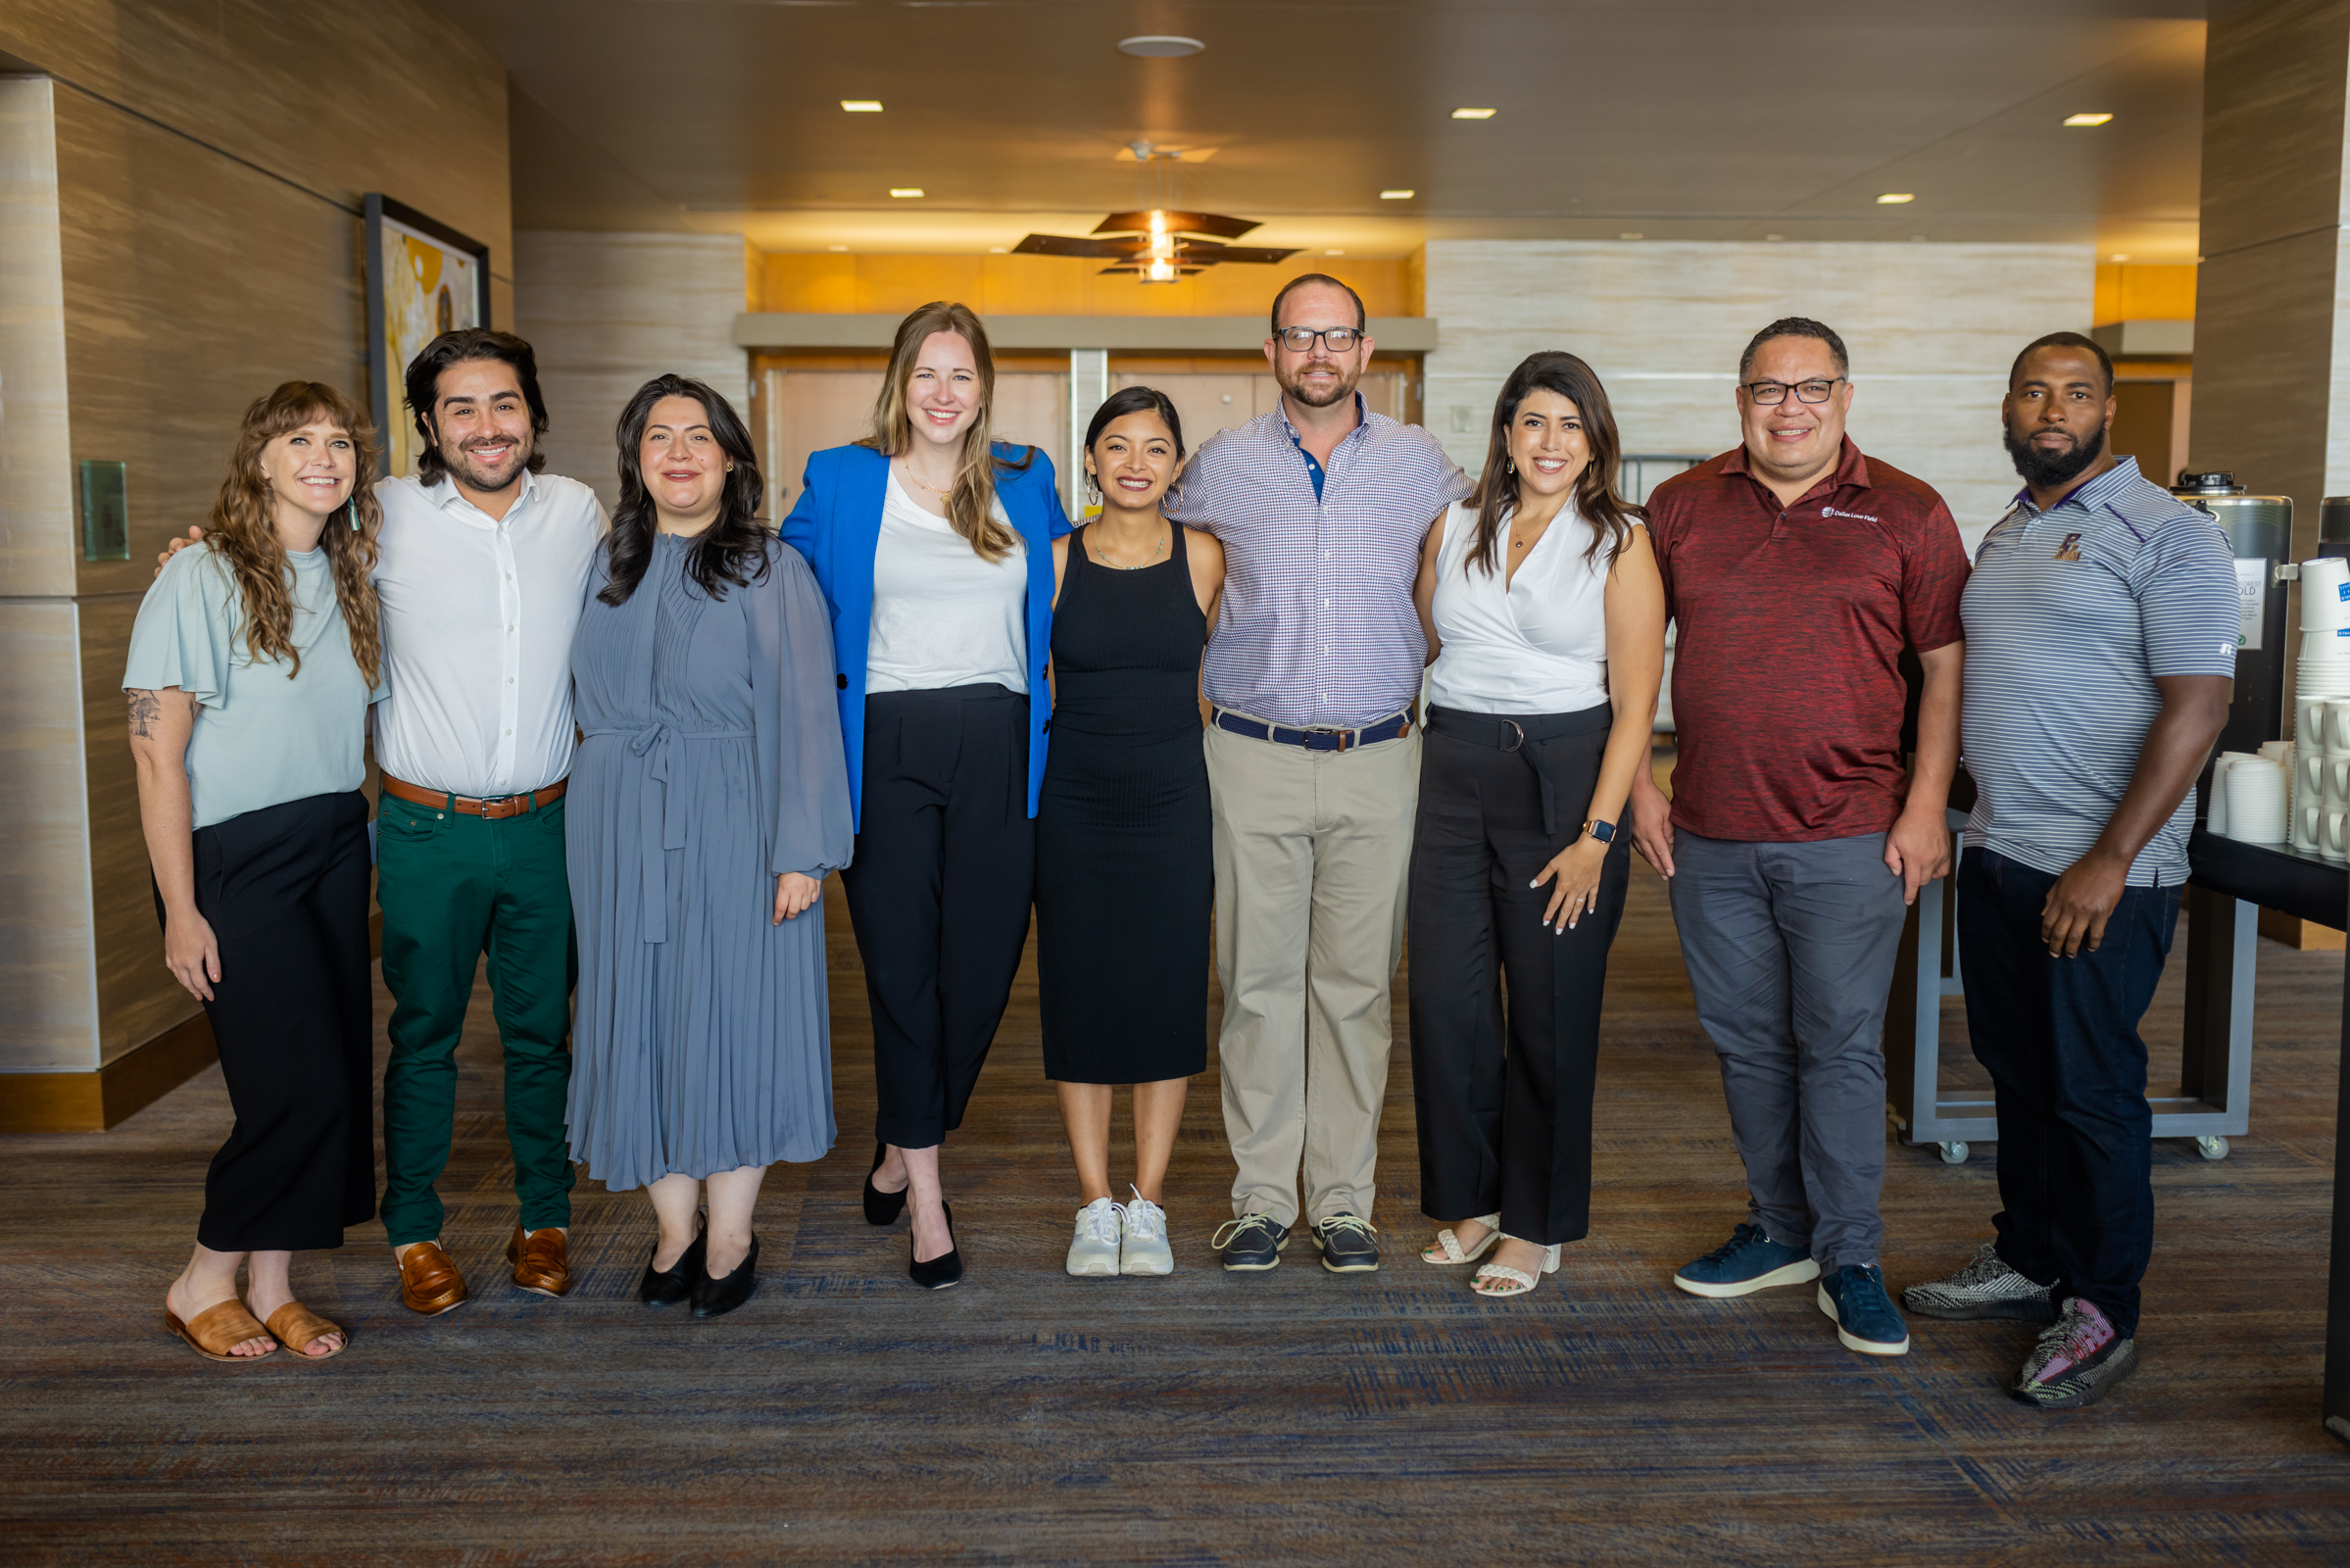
x=1986, y=1288
x=1143, y=1238
x=1093, y=1253
x=2075, y=1362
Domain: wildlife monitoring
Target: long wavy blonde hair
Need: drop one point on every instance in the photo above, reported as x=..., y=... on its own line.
x=241, y=534
x=970, y=505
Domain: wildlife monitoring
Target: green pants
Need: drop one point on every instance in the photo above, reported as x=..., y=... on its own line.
x=453, y=886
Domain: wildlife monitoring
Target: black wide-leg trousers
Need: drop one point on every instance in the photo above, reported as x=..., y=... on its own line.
x=939, y=893
x=285, y=891
x=1504, y=1015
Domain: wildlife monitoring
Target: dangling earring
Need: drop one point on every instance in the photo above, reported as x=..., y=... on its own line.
x=352, y=506
x=1092, y=489
x=1509, y=465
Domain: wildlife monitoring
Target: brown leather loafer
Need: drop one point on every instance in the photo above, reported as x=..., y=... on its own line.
x=542, y=1260
x=429, y=1282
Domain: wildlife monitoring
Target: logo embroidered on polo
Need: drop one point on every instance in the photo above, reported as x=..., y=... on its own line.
x=1858, y=516
x=2069, y=550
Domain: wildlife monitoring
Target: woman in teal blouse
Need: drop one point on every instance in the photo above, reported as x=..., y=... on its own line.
x=252, y=662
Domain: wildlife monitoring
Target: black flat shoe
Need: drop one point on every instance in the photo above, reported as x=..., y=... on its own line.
x=667, y=1287
x=943, y=1270
x=883, y=1208
x=717, y=1298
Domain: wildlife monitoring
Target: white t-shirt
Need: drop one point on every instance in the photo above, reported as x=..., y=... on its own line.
x=1538, y=645
x=943, y=615
x=478, y=615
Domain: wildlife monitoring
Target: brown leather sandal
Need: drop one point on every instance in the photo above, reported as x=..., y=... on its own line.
x=297, y=1327
x=219, y=1326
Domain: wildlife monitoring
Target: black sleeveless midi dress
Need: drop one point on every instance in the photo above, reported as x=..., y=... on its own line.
x=1125, y=883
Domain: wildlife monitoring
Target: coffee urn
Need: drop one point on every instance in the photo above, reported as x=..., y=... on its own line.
x=2333, y=526
x=2260, y=530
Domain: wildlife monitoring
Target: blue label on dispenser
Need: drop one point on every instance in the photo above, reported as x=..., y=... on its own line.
x=2341, y=591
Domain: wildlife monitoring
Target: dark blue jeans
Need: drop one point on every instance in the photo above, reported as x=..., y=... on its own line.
x=2061, y=1040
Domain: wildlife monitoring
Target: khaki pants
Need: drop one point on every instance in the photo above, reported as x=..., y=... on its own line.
x=1311, y=851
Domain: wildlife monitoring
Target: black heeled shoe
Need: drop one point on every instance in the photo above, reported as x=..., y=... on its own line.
x=943, y=1270
x=667, y=1287
x=883, y=1208
x=717, y=1298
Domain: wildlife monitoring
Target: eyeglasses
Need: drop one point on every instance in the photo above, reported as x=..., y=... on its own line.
x=1770, y=394
x=1337, y=339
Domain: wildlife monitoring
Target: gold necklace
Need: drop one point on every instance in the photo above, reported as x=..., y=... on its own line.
x=1100, y=560
x=908, y=473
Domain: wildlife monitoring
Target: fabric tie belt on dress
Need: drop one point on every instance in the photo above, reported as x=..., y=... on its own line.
x=658, y=829
x=1527, y=734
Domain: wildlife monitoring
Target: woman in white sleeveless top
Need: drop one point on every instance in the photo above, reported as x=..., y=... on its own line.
x=1545, y=616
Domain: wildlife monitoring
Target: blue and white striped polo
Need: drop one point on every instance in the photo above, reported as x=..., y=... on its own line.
x=2071, y=616
x=1318, y=627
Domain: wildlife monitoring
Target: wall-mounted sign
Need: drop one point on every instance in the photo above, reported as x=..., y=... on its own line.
x=423, y=279
x=105, y=510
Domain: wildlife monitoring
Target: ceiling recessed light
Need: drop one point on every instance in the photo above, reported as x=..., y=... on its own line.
x=2121, y=256
x=1160, y=46
x=906, y=190
x=1894, y=198
x=2087, y=120
x=1398, y=195
x=1334, y=252
x=1774, y=236
x=998, y=250
x=1632, y=233
x=861, y=106
x=1472, y=114
x=836, y=247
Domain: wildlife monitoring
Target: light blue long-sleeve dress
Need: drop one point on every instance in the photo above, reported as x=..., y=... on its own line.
x=712, y=762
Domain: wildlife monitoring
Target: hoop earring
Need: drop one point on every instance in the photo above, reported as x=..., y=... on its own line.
x=1093, y=490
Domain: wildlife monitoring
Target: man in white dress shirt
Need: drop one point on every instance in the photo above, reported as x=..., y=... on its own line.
x=482, y=566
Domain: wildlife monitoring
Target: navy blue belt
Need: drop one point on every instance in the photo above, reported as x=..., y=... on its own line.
x=1317, y=740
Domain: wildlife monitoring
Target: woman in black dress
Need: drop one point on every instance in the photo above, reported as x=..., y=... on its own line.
x=1124, y=884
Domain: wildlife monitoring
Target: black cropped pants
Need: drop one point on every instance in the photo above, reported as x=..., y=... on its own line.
x=1505, y=1015
x=285, y=891
x=939, y=893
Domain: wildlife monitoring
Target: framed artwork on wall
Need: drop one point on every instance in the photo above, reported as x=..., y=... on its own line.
x=423, y=279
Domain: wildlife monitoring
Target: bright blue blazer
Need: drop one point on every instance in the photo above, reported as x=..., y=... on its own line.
x=837, y=525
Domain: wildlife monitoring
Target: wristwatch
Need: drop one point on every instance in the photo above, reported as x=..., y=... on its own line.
x=1605, y=832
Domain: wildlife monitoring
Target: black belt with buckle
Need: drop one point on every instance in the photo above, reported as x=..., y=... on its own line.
x=1512, y=734
x=1317, y=740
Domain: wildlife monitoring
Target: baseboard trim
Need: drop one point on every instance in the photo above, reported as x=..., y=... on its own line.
x=92, y=1102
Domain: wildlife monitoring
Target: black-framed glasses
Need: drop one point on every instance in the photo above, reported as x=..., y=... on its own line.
x=1337, y=339
x=1770, y=394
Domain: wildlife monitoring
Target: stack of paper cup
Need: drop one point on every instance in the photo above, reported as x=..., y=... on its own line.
x=2256, y=802
x=2324, y=672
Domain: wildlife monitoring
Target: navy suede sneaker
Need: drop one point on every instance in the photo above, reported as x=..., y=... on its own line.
x=1748, y=1262
x=1866, y=1319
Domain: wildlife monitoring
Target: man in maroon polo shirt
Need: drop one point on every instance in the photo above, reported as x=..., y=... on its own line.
x=1797, y=571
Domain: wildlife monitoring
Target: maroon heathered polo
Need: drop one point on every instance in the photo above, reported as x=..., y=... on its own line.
x=1786, y=690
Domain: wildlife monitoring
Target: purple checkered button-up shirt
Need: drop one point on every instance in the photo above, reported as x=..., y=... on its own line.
x=1318, y=627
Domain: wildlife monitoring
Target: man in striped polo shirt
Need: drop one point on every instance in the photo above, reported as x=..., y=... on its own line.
x=2101, y=634
x=1313, y=764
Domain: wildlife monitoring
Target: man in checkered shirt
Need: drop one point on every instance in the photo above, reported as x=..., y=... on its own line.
x=1313, y=763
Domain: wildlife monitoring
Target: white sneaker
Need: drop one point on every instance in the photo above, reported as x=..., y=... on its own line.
x=1143, y=1243
x=1094, y=1252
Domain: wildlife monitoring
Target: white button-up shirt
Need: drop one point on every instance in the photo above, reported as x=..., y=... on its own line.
x=478, y=615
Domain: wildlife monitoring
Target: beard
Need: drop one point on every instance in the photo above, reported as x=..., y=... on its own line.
x=1341, y=389
x=461, y=463
x=2045, y=470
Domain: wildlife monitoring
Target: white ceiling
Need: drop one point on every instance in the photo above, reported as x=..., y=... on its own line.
x=1669, y=118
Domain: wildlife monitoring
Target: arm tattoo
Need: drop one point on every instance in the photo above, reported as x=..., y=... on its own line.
x=145, y=708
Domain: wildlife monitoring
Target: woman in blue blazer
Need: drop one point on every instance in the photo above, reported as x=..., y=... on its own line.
x=934, y=547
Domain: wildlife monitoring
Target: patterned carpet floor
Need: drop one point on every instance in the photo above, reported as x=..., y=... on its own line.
x=844, y=1416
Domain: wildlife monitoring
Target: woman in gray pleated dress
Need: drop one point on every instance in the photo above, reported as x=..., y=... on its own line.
x=709, y=801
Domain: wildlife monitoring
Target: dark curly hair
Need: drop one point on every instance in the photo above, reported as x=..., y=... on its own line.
x=422, y=385
x=733, y=548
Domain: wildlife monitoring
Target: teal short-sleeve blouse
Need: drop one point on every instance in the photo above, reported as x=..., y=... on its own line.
x=260, y=738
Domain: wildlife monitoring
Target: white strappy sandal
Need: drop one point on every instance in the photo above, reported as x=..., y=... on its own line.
x=1507, y=1281
x=1447, y=1252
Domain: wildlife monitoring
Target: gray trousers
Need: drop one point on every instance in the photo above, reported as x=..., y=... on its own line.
x=1789, y=949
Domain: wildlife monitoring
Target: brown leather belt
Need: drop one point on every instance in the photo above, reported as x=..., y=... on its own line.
x=494, y=809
